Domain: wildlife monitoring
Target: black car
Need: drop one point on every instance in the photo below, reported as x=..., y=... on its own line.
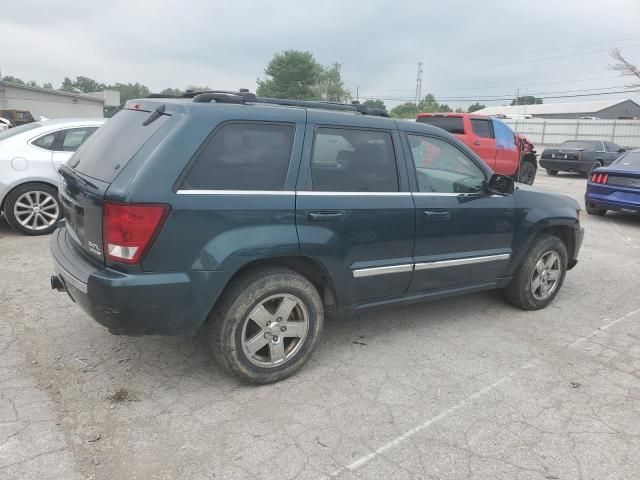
x=256, y=216
x=580, y=156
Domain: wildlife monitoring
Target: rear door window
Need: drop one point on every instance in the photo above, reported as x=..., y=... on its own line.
x=351, y=160
x=109, y=149
x=450, y=124
x=243, y=156
x=482, y=128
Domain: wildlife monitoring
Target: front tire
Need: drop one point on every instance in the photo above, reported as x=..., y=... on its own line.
x=266, y=325
x=540, y=275
x=552, y=172
x=527, y=173
x=33, y=209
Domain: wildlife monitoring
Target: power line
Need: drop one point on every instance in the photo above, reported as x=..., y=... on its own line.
x=505, y=98
x=535, y=52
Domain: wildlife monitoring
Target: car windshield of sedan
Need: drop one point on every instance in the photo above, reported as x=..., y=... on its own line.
x=630, y=161
x=581, y=144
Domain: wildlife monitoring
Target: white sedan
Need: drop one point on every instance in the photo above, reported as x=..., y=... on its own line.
x=30, y=156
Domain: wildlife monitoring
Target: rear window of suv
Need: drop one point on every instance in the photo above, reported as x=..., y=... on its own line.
x=243, y=156
x=450, y=124
x=109, y=149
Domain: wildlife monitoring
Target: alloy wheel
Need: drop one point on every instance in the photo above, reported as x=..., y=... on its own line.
x=275, y=330
x=36, y=210
x=546, y=275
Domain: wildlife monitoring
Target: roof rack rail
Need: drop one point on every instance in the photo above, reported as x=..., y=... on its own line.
x=245, y=96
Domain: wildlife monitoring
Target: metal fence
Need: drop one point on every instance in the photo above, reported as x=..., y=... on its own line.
x=625, y=133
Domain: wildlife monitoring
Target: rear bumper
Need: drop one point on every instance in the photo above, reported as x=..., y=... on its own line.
x=566, y=165
x=169, y=303
x=621, y=201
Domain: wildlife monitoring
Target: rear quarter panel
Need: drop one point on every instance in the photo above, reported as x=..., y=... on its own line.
x=215, y=230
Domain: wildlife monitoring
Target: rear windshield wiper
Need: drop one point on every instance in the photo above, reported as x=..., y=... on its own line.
x=156, y=114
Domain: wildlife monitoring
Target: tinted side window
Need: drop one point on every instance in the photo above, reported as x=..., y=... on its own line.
x=453, y=125
x=346, y=160
x=442, y=168
x=612, y=147
x=482, y=128
x=75, y=137
x=243, y=156
x=46, y=141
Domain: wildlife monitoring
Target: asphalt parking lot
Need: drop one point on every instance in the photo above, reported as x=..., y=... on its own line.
x=454, y=389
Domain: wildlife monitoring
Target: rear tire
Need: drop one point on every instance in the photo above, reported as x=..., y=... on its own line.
x=33, y=209
x=527, y=173
x=544, y=265
x=593, y=210
x=552, y=172
x=597, y=164
x=250, y=332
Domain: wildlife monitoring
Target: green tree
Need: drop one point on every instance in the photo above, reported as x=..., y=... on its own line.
x=175, y=92
x=405, y=110
x=47, y=85
x=130, y=91
x=474, y=107
x=198, y=88
x=10, y=79
x=526, y=100
x=87, y=85
x=379, y=104
x=67, y=85
x=459, y=110
x=330, y=85
x=428, y=104
x=291, y=74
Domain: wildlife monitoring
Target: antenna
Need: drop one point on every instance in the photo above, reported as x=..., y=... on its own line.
x=419, y=84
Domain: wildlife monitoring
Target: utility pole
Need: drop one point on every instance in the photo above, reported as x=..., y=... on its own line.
x=419, y=84
x=357, y=93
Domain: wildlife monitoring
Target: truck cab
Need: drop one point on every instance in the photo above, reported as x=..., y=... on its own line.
x=491, y=139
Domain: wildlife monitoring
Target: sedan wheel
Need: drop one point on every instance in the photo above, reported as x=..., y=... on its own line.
x=33, y=209
x=36, y=210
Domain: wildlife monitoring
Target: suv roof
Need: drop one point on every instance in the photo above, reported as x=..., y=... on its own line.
x=244, y=96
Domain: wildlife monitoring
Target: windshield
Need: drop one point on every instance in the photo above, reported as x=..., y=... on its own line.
x=630, y=161
x=18, y=130
x=585, y=145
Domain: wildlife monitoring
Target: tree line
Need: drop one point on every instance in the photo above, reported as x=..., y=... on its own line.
x=290, y=74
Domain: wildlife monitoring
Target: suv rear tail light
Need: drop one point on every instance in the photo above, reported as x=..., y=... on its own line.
x=129, y=229
x=599, y=177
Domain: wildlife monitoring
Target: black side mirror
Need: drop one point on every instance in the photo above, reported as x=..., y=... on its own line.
x=500, y=184
x=622, y=150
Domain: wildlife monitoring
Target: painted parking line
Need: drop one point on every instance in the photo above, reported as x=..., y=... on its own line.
x=449, y=411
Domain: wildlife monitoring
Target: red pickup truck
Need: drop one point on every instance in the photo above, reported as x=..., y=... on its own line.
x=493, y=141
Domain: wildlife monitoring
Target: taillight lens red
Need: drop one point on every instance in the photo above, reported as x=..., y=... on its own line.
x=599, y=177
x=128, y=229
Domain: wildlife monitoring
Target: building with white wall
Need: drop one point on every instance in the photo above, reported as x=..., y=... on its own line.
x=42, y=102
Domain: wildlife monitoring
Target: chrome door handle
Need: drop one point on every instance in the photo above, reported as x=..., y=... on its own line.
x=325, y=216
x=438, y=214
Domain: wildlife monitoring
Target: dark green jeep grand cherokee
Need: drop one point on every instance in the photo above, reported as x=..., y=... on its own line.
x=256, y=217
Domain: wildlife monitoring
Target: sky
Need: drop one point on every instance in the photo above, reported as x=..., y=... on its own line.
x=470, y=50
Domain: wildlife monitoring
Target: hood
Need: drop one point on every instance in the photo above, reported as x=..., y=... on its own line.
x=556, y=196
